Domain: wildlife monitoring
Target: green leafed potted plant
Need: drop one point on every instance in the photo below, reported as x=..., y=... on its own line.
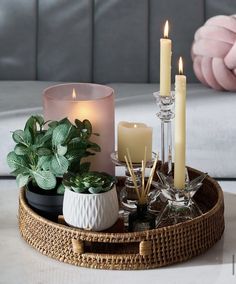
x=41, y=157
x=90, y=200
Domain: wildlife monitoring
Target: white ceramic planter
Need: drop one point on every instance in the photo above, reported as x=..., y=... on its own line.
x=95, y=212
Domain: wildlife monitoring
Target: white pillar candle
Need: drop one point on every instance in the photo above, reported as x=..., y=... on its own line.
x=165, y=62
x=86, y=101
x=180, y=128
x=135, y=137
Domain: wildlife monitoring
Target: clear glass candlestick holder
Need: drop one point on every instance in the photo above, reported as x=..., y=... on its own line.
x=180, y=205
x=166, y=114
x=156, y=202
x=128, y=196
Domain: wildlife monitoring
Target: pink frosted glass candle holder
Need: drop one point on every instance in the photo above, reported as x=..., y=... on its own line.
x=89, y=101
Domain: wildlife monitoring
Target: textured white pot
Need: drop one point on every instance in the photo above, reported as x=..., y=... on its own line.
x=95, y=212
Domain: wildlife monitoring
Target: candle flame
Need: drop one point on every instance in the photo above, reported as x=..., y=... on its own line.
x=181, y=68
x=166, y=29
x=74, y=95
x=135, y=126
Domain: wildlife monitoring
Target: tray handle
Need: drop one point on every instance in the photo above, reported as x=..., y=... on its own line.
x=145, y=247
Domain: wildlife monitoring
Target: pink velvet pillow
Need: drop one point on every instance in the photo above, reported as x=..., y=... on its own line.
x=214, y=53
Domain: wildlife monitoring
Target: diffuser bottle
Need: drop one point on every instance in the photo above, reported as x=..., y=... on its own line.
x=142, y=219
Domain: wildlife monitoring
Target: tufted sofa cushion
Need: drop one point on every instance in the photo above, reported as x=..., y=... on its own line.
x=93, y=40
x=96, y=40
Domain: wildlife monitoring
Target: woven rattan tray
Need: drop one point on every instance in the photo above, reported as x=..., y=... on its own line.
x=140, y=250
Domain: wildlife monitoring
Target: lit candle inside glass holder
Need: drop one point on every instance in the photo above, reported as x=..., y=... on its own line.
x=86, y=101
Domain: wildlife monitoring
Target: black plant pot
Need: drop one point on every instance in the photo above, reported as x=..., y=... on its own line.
x=46, y=203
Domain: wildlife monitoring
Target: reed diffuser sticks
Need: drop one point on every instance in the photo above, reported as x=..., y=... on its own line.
x=144, y=189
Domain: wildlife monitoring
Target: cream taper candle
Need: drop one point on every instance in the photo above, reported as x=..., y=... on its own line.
x=180, y=128
x=165, y=62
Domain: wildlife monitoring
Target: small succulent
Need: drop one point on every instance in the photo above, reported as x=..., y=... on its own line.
x=89, y=182
x=43, y=155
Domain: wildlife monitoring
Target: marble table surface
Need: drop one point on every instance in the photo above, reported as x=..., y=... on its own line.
x=21, y=264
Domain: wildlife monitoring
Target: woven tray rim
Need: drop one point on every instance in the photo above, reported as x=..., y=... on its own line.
x=153, y=249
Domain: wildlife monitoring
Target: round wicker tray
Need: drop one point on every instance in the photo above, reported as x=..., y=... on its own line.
x=139, y=250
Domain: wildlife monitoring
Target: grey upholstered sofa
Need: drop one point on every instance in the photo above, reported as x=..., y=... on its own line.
x=113, y=42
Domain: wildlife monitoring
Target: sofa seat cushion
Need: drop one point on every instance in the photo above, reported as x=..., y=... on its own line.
x=21, y=95
x=211, y=131
x=18, y=100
